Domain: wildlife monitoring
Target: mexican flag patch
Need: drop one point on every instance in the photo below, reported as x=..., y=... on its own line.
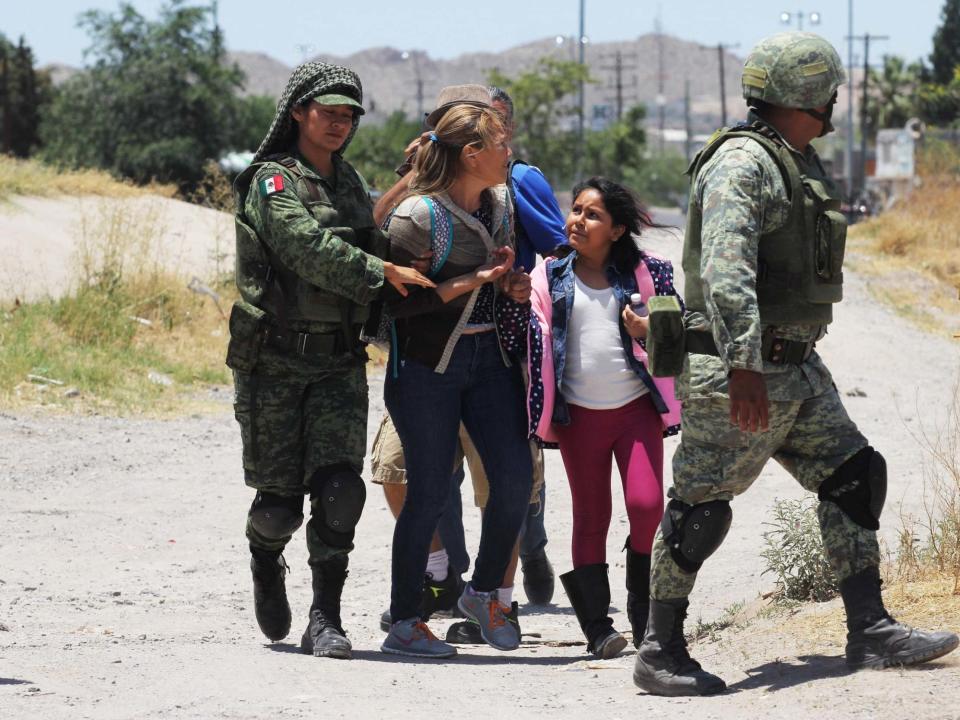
x=271, y=185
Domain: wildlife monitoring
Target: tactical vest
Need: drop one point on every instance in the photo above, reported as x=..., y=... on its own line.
x=264, y=281
x=799, y=270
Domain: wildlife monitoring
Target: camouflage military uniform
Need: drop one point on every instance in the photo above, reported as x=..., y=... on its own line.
x=308, y=268
x=763, y=260
x=299, y=414
x=742, y=195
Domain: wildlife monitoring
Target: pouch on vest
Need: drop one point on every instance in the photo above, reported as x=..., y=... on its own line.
x=831, y=240
x=665, y=337
x=247, y=330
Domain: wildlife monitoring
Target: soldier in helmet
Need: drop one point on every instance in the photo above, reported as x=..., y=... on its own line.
x=309, y=265
x=762, y=257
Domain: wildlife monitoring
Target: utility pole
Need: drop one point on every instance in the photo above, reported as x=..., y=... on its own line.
x=848, y=150
x=6, y=129
x=688, y=125
x=866, y=38
x=661, y=97
x=721, y=49
x=723, y=88
x=582, y=38
x=217, y=35
x=418, y=80
x=618, y=84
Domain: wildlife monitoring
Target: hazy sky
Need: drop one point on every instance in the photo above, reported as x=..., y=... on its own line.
x=292, y=29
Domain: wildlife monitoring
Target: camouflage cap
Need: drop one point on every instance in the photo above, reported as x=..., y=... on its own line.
x=307, y=82
x=793, y=70
x=335, y=99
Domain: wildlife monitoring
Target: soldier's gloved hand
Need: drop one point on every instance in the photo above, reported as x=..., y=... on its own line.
x=398, y=276
x=749, y=407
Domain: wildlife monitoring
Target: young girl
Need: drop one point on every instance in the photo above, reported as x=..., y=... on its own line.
x=447, y=366
x=591, y=393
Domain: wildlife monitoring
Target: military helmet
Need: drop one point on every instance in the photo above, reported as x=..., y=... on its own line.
x=793, y=70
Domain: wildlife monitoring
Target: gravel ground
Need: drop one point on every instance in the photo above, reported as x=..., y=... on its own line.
x=125, y=589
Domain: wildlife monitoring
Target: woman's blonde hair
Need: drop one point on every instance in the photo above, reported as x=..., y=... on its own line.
x=437, y=163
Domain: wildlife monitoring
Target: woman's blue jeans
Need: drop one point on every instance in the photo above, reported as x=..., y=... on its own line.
x=427, y=408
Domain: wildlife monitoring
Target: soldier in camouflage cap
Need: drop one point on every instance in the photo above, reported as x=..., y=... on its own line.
x=309, y=265
x=763, y=258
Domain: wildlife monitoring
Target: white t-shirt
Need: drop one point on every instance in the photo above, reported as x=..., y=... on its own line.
x=596, y=374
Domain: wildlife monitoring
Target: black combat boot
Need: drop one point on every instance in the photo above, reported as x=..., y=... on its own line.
x=537, y=578
x=270, y=593
x=874, y=638
x=638, y=593
x=324, y=636
x=663, y=665
x=588, y=588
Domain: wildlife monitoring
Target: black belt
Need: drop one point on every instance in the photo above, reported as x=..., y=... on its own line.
x=776, y=350
x=307, y=344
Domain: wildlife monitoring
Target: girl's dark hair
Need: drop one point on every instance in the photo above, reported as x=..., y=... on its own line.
x=624, y=209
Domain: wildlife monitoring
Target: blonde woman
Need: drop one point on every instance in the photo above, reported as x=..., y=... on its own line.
x=448, y=366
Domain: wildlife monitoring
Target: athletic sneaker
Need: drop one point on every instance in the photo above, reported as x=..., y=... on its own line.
x=438, y=597
x=467, y=632
x=412, y=637
x=485, y=609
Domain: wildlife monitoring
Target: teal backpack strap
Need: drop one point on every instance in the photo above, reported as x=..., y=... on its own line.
x=441, y=235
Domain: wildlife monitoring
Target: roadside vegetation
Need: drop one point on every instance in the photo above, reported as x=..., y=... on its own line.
x=921, y=575
x=130, y=337
x=33, y=177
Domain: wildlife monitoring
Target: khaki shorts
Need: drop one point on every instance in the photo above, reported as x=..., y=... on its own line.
x=386, y=462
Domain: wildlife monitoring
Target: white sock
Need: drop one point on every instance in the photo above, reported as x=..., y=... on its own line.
x=505, y=595
x=437, y=564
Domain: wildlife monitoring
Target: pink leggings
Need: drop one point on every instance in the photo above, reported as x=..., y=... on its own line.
x=633, y=434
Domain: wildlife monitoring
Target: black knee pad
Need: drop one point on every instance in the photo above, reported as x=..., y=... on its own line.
x=275, y=516
x=694, y=532
x=337, y=497
x=859, y=487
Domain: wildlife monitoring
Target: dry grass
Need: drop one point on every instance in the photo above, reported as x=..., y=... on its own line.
x=130, y=338
x=32, y=177
x=912, y=252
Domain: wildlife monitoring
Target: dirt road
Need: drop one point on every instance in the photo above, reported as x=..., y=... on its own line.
x=125, y=589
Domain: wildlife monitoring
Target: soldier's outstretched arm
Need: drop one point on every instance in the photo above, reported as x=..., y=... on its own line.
x=314, y=252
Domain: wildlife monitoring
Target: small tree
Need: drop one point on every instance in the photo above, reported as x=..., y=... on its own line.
x=893, y=99
x=23, y=94
x=543, y=112
x=946, y=43
x=377, y=149
x=157, y=102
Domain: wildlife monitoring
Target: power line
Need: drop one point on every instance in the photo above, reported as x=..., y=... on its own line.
x=866, y=39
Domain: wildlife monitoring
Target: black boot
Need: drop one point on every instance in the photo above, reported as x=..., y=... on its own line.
x=270, y=593
x=876, y=640
x=537, y=578
x=588, y=588
x=324, y=636
x=638, y=593
x=663, y=665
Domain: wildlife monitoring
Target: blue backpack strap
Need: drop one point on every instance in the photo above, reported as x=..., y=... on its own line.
x=441, y=235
